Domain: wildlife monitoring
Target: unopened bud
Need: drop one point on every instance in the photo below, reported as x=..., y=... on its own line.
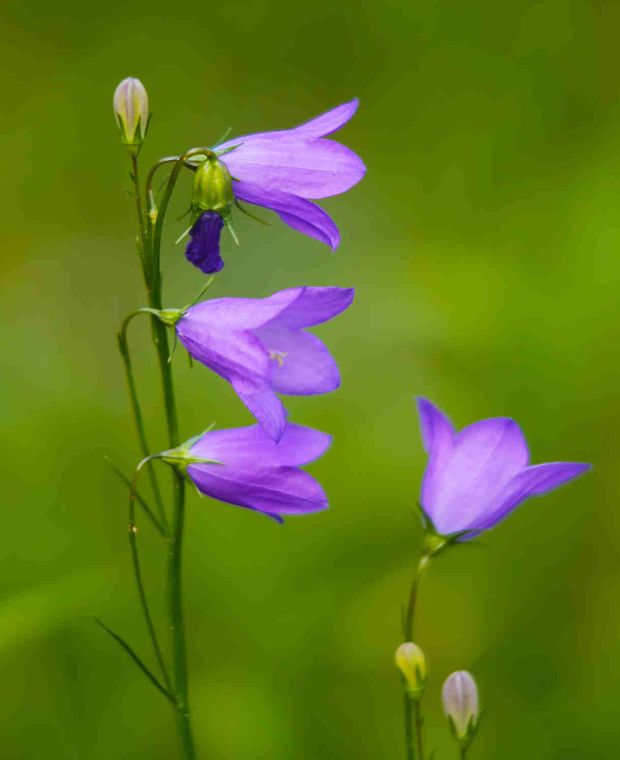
x=131, y=107
x=212, y=187
x=460, y=702
x=411, y=662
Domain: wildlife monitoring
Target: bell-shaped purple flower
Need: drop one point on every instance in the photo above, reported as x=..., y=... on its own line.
x=253, y=471
x=283, y=171
x=477, y=476
x=261, y=347
x=203, y=249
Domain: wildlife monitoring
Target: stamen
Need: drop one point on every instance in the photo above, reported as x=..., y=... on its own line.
x=278, y=356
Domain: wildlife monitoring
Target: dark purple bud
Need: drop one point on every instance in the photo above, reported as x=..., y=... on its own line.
x=203, y=249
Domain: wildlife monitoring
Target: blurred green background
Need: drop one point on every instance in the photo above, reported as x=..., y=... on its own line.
x=484, y=245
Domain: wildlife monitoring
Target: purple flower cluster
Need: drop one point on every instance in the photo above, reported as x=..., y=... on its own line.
x=261, y=347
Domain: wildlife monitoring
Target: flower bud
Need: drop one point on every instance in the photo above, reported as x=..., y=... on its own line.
x=131, y=107
x=411, y=662
x=460, y=702
x=212, y=187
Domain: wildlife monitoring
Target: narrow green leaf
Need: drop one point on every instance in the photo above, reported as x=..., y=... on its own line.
x=137, y=660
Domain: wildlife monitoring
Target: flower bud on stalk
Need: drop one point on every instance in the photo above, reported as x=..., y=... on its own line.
x=212, y=187
x=131, y=107
x=411, y=662
x=460, y=702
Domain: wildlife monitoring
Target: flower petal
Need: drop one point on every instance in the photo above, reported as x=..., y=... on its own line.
x=228, y=314
x=436, y=429
x=251, y=446
x=312, y=306
x=300, y=363
x=320, y=126
x=203, y=249
x=275, y=491
x=484, y=458
x=308, y=168
x=257, y=473
x=264, y=405
x=300, y=214
x=533, y=481
x=328, y=122
x=438, y=439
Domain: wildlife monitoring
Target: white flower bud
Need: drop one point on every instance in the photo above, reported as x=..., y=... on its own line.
x=131, y=107
x=460, y=702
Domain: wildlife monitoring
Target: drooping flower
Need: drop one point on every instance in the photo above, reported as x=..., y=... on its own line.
x=260, y=346
x=249, y=469
x=477, y=476
x=461, y=705
x=285, y=171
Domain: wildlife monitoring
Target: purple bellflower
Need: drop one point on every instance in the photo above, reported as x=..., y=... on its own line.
x=249, y=469
x=477, y=476
x=283, y=171
x=260, y=346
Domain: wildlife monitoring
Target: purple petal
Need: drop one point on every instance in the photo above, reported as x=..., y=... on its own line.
x=277, y=491
x=203, y=249
x=250, y=446
x=231, y=354
x=300, y=363
x=300, y=214
x=264, y=405
x=256, y=473
x=533, y=481
x=227, y=314
x=484, y=458
x=328, y=122
x=320, y=126
x=310, y=169
x=312, y=306
x=438, y=439
x=436, y=429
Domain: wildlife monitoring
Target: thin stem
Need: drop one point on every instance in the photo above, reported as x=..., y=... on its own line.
x=123, y=346
x=409, y=739
x=464, y=749
x=418, y=728
x=135, y=557
x=176, y=620
x=410, y=706
x=138, y=197
x=413, y=596
x=160, y=337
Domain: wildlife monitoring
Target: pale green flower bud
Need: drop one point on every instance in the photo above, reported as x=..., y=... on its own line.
x=131, y=107
x=460, y=702
x=411, y=662
x=212, y=187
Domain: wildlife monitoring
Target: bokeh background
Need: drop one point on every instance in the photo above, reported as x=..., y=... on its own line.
x=485, y=248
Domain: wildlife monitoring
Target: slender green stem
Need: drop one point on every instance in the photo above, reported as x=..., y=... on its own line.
x=413, y=707
x=413, y=596
x=417, y=710
x=123, y=346
x=139, y=581
x=160, y=337
x=176, y=621
x=463, y=752
x=409, y=738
